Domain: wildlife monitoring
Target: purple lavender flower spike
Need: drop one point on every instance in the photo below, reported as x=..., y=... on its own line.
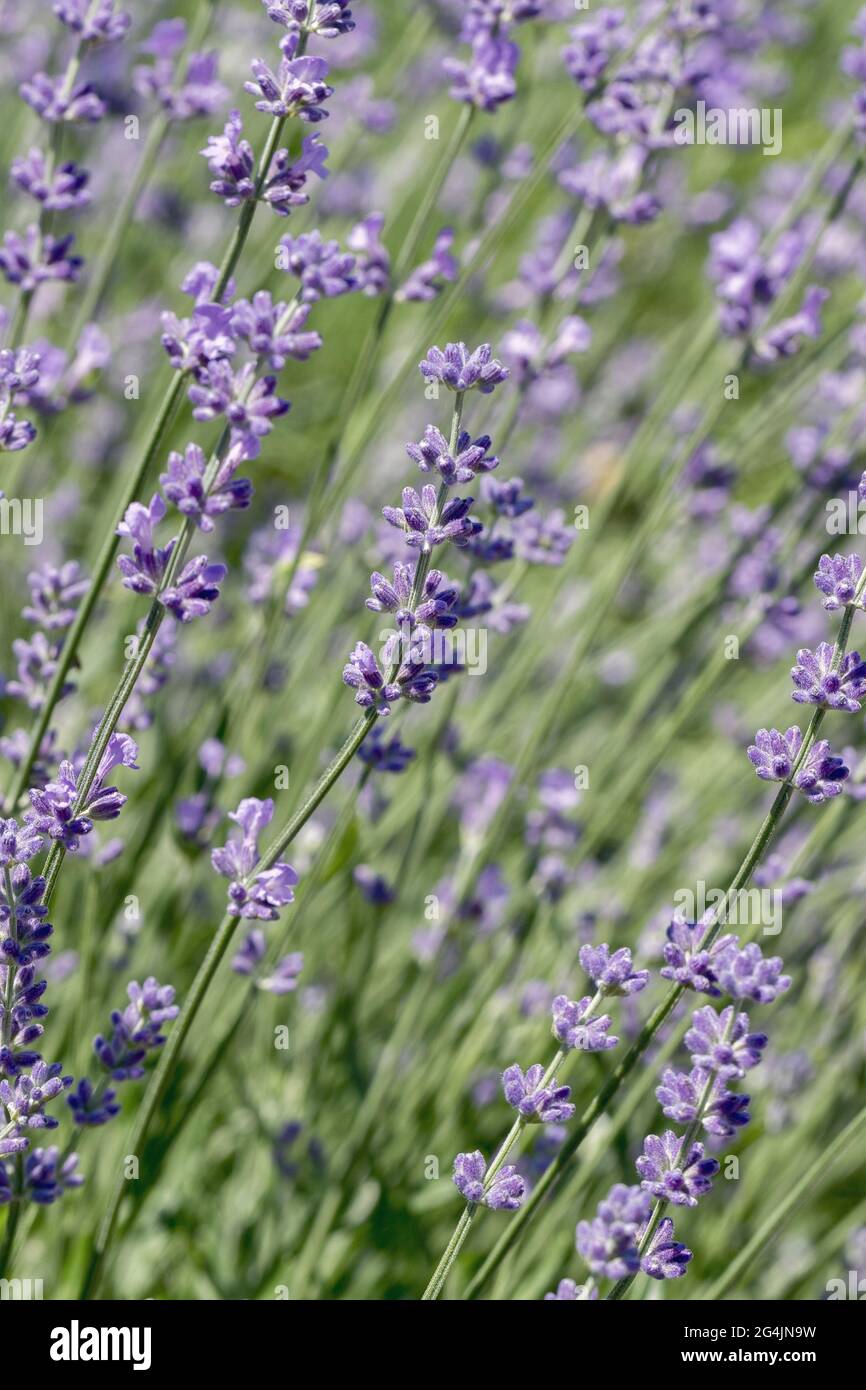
x=91, y=1107
x=566, y=1292
x=665, y=1258
x=271, y=889
x=611, y=973
x=572, y=1028
x=434, y=609
x=774, y=756
x=745, y=973
x=817, y=683
x=298, y=88
x=681, y=1097
x=251, y=953
x=372, y=261
x=505, y=1193
x=786, y=337
x=671, y=1179
x=24, y=1101
x=286, y=183
x=718, y=1046
x=608, y=1243
x=470, y=458
x=55, y=595
x=144, y=569
x=593, y=43
x=385, y=754
x=54, y=806
x=136, y=1030
x=413, y=681
x=232, y=162
x=423, y=282
x=536, y=1103
x=423, y=529
x=322, y=268
x=194, y=343
x=275, y=332
x=686, y=962
x=183, y=485
x=284, y=977
x=195, y=589
x=93, y=24
x=30, y=260
x=838, y=576
x=63, y=189
x=47, y=1175
x=543, y=540
x=50, y=99
x=461, y=370
x=486, y=79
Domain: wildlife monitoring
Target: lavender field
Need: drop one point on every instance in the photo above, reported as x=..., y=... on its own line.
x=432, y=747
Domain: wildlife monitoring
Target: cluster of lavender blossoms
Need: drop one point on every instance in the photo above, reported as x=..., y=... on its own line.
x=535, y=1095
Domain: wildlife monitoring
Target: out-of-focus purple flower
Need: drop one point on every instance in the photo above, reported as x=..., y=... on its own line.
x=506, y=1191
x=283, y=979
x=376, y=889
x=686, y=961
x=785, y=338
x=611, y=972
x=232, y=162
x=593, y=43
x=384, y=754
x=372, y=261
x=671, y=1176
x=62, y=189
x=461, y=370
x=566, y=1292
x=543, y=539
x=54, y=595
x=30, y=260
x=423, y=282
x=298, y=88
x=425, y=527
x=774, y=756
x=722, y=1041
x=197, y=93
x=52, y=101
x=322, y=268
x=574, y=1029
x=818, y=683
x=48, y=1174
x=838, y=576
x=609, y=1243
x=536, y=1103
x=486, y=79
x=98, y=23
x=91, y=1105
x=506, y=496
x=262, y=896
x=251, y=953
x=665, y=1258
x=184, y=486
x=469, y=459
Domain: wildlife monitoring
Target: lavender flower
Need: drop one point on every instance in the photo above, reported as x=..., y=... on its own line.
x=52, y=101
x=372, y=261
x=298, y=88
x=275, y=332
x=486, y=80
x=471, y=456
x=536, y=1103
x=61, y=189
x=681, y=1096
x=136, y=1031
x=506, y=1191
x=665, y=1258
x=30, y=260
x=324, y=271
x=460, y=370
x=194, y=590
x=93, y=23
x=686, y=961
x=425, y=526
x=144, y=569
x=744, y=973
x=608, y=1243
x=184, y=486
x=385, y=754
x=818, y=683
x=47, y=1175
x=574, y=1029
x=774, y=756
x=672, y=1177
x=434, y=609
x=611, y=973
x=56, y=812
x=263, y=895
x=566, y=1292
x=412, y=681
x=719, y=1045
x=422, y=284
x=838, y=577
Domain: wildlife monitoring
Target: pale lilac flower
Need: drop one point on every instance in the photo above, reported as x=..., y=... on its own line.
x=838, y=577
x=665, y=1258
x=536, y=1103
x=573, y=1029
x=274, y=331
x=609, y=1243
x=672, y=1177
x=470, y=456
x=461, y=370
x=686, y=961
x=774, y=756
x=719, y=1046
x=611, y=972
x=298, y=87
x=818, y=683
x=506, y=1191
x=745, y=973
x=262, y=895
